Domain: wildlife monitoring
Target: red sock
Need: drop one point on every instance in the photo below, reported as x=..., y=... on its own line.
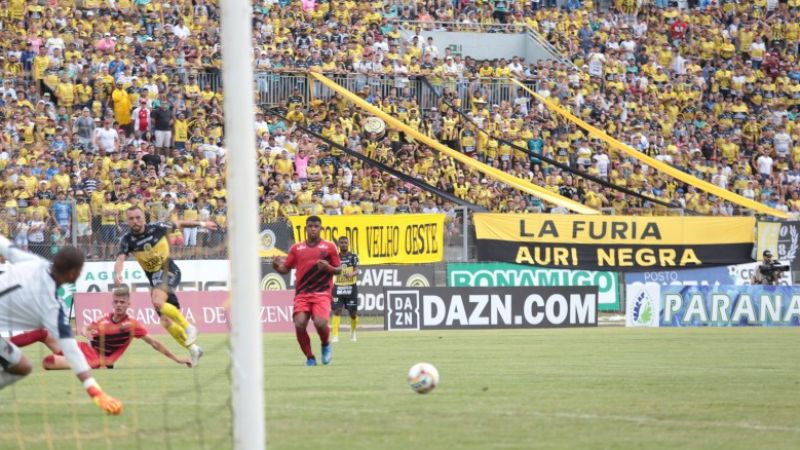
x=29, y=337
x=305, y=342
x=323, y=334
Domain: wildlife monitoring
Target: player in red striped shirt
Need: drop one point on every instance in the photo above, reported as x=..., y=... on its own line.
x=109, y=337
x=315, y=262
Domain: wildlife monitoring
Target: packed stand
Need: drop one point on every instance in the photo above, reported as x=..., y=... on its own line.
x=102, y=109
x=616, y=86
x=693, y=112
x=714, y=91
x=109, y=106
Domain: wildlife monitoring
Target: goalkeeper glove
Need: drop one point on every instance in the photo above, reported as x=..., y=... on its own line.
x=107, y=403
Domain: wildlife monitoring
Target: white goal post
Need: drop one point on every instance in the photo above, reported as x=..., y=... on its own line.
x=247, y=360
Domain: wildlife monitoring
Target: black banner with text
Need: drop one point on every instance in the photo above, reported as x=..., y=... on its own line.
x=618, y=243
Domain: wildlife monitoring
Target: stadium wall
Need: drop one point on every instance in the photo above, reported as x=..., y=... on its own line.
x=489, y=45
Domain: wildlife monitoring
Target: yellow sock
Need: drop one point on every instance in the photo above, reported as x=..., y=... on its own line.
x=174, y=314
x=177, y=333
x=353, y=324
x=337, y=319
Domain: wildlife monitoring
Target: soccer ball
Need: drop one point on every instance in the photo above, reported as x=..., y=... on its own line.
x=423, y=377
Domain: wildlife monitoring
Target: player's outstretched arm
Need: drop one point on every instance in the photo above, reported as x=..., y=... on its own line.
x=196, y=223
x=57, y=324
x=119, y=265
x=13, y=254
x=159, y=347
x=77, y=361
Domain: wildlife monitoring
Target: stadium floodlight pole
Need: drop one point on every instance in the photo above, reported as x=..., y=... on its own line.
x=246, y=341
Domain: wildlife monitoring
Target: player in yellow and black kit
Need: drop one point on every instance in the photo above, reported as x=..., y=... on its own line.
x=345, y=290
x=148, y=244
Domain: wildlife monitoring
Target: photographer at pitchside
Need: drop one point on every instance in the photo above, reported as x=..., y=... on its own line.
x=770, y=272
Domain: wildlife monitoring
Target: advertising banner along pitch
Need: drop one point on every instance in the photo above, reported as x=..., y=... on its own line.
x=516, y=275
x=382, y=239
x=649, y=285
x=719, y=306
x=206, y=310
x=440, y=308
x=371, y=282
x=196, y=275
x=619, y=243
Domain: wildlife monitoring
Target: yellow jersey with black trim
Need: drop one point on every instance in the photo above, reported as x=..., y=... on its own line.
x=349, y=265
x=150, y=247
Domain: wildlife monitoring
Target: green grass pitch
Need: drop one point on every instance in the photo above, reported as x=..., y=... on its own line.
x=579, y=388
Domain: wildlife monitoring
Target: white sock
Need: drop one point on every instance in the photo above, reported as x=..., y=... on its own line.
x=8, y=378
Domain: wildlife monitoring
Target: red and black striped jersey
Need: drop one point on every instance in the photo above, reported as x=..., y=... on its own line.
x=308, y=277
x=109, y=337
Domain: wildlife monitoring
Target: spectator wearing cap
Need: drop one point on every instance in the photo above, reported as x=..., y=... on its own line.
x=192, y=90
x=141, y=118
x=7, y=90
x=106, y=45
x=106, y=138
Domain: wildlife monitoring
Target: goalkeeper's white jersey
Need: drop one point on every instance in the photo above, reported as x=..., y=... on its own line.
x=29, y=298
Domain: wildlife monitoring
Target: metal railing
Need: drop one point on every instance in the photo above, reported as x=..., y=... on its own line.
x=274, y=89
x=442, y=25
x=99, y=238
x=411, y=26
x=554, y=52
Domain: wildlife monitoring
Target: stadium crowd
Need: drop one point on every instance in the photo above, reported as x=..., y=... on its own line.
x=106, y=104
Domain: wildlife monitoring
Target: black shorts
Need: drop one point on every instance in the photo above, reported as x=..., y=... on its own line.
x=173, y=280
x=345, y=297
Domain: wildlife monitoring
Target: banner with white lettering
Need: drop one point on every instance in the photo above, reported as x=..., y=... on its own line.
x=617, y=243
x=646, y=287
x=196, y=275
x=474, y=308
x=372, y=280
x=512, y=275
x=717, y=306
x=206, y=310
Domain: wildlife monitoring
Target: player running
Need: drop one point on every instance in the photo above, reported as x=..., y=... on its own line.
x=345, y=290
x=148, y=244
x=28, y=300
x=315, y=261
x=109, y=337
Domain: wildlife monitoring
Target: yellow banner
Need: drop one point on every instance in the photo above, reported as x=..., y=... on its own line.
x=614, y=242
x=638, y=230
x=384, y=239
x=491, y=172
x=654, y=163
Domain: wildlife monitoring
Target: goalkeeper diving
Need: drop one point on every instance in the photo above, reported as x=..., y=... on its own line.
x=29, y=299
